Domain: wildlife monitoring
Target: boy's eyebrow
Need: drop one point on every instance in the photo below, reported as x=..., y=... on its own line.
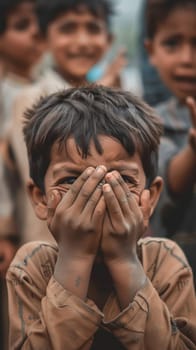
x=131, y=167
x=72, y=171
x=64, y=169
x=134, y=171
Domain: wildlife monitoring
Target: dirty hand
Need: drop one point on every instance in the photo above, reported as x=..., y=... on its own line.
x=75, y=214
x=125, y=220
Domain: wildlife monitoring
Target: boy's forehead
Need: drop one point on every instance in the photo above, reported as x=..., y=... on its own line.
x=23, y=9
x=180, y=22
x=84, y=9
x=112, y=151
x=81, y=8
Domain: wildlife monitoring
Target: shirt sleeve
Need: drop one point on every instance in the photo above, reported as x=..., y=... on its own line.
x=163, y=317
x=55, y=319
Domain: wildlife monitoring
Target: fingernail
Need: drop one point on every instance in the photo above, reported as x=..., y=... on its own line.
x=89, y=171
x=51, y=197
x=106, y=188
x=101, y=169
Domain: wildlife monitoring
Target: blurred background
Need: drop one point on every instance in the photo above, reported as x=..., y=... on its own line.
x=126, y=25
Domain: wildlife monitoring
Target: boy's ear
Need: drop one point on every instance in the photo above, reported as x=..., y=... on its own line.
x=38, y=200
x=148, y=44
x=155, y=191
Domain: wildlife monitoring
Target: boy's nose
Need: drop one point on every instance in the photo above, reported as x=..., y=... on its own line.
x=82, y=38
x=187, y=55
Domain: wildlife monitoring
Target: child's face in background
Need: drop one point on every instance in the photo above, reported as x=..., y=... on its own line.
x=20, y=46
x=77, y=40
x=173, y=52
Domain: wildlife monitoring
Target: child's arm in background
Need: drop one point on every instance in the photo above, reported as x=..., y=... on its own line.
x=111, y=77
x=181, y=173
x=108, y=73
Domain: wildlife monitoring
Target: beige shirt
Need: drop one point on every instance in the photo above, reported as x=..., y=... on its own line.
x=43, y=315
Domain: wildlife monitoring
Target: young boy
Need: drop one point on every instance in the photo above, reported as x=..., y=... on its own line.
x=78, y=35
x=20, y=50
x=154, y=90
x=172, y=50
x=93, y=162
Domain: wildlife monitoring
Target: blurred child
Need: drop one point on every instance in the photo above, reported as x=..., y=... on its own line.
x=171, y=46
x=78, y=34
x=20, y=50
x=93, y=162
x=154, y=91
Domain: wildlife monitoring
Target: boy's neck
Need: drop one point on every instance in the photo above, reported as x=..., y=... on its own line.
x=21, y=72
x=72, y=81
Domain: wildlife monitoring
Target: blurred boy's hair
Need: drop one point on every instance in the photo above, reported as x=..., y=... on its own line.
x=84, y=114
x=158, y=10
x=6, y=8
x=49, y=10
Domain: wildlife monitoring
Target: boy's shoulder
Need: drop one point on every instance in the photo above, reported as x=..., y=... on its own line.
x=34, y=259
x=162, y=260
x=48, y=83
x=174, y=115
x=167, y=109
x=158, y=247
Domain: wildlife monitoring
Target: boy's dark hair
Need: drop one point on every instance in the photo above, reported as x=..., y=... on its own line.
x=84, y=114
x=6, y=8
x=158, y=10
x=48, y=11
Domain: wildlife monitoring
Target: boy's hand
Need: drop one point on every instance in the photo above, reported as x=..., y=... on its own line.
x=192, y=132
x=125, y=221
x=75, y=218
x=112, y=73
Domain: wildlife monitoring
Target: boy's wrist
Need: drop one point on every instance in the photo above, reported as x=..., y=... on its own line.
x=128, y=277
x=122, y=262
x=73, y=273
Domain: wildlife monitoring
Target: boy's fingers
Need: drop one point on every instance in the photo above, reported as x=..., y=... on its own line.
x=191, y=103
x=145, y=206
x=75, y=189
x=99, y=214
x=123, y=194
x=112, y=203
x=89, y=187
x=53, y=199
x=92, y=202
x=192, y=138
